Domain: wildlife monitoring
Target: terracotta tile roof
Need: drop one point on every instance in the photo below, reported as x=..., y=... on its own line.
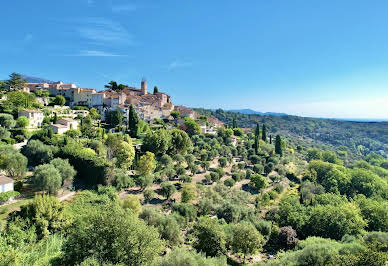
x=66, y=119
x=5, y=180
x=58, y=126
x=32, y=111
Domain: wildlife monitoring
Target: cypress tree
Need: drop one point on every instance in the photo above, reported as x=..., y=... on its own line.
x=278, y=145
x=156, y=90
x=256, y=145
x=234, y=123
x=257, y=130
x=133, y=120
x=264, y=133
x=270, y=139
x=257, y=137
x=55, y=118
x=50, y=133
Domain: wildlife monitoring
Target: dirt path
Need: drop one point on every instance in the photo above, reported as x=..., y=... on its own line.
x=67, y=196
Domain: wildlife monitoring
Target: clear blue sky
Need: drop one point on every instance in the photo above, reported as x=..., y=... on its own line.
x=313, y=58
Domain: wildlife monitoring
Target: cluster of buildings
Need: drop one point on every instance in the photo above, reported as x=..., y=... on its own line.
x=148, y=106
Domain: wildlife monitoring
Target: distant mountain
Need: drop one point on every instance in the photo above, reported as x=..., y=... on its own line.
x=31, y=79
x=253, y=112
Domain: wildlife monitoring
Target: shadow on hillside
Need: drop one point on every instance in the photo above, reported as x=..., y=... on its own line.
x=156, y=201
x=247, y=188
x=133, y=192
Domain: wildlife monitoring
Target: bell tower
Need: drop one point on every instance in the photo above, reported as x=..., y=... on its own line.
x=143, y=86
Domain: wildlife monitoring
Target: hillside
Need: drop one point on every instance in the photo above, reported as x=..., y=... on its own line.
x=358, y=138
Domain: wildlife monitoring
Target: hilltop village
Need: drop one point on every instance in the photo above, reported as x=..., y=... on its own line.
x=150, y=107
x=125, y=177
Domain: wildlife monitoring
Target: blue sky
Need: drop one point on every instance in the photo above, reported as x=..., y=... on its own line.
x=312, y=58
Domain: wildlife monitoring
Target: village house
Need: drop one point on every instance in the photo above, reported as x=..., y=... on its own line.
x=83, y=97
x=6, y=184
x=34, y=116
x=185, y=111
x=63, y=125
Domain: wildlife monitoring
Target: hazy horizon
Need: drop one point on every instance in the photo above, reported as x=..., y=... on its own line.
x=323, y=59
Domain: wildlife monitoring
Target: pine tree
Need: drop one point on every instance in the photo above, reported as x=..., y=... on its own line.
x=264, y=134
x=133, y=120
x=156, y=90
x=278, y=145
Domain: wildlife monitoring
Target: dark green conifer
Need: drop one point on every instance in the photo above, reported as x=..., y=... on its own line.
x=264, y=134
x=278, y=145
x=133, y=120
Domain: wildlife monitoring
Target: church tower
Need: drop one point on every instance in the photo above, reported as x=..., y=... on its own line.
x=144, y=86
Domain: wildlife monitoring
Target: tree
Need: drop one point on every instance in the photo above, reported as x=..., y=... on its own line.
x=17, y=100
x=246, y=239
x=313, y=154
x=122, y=179
x=156, y=90
x=144, y=181
x=180, y=256
x=13, y=163
x=59, y=100
x=258, y=182
x=286, y=238
x=167, y=189
x=189, y=193
x=264, y=133
x=175, y=114
x=117, y=236
x=115, y=118
x=38, y=153
x=166, y=160
x=7, y=121
x=157, y=142
x=234, y=123
x=192, y=128
x=180, y=142
x=133, y=121
x=334, y=222
x=215, y=177
x=268, y=168
x=47, y=177
x=55, y=118
x=16, y=81
x=112, y=85
x=46, y=213
x=22, y=122
x=278, y=145
x=146, y=164
x=125, y=154
x=132, y=203
x=205, y=165
x=65, y=169
x=222, y=162
x=148, y=195
x=258, y=168
x=209, y=237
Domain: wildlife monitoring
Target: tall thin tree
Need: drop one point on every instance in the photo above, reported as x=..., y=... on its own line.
x=278, y=145
x=133, y=120
x=264, y=134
